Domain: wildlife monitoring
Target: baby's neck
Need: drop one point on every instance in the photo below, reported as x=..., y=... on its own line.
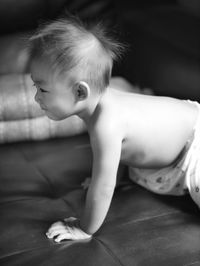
x=90, y=106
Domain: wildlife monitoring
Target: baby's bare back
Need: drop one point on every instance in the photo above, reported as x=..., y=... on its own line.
x=154, y=129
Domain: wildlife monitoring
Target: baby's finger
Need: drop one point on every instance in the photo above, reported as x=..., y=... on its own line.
x=57, y=223
x=56, y=232
x=70, y=219
x=56, y=226
x=63, y=237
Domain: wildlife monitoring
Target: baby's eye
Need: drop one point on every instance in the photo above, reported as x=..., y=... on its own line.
x=42, y=90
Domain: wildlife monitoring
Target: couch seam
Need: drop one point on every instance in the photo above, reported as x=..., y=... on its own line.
x=40, y=172
x=115, y=258
x=149, y=218
x=21, y=252
x=192, y=263
x=53, y=192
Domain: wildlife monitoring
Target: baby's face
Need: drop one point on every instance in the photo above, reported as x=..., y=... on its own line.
x=54, y=94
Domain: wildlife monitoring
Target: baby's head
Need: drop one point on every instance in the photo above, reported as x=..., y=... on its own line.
x=71, y=46
x=70, y=50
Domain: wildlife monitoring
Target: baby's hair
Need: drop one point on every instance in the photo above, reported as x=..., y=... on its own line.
x=70, y=44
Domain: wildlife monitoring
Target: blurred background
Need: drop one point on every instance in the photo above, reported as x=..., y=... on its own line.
x=163, y=38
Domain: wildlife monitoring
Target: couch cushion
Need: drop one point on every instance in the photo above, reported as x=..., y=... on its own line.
x=40, y=183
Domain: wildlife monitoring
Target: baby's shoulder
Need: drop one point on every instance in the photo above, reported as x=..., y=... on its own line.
x=105, y=128
x=103, y=125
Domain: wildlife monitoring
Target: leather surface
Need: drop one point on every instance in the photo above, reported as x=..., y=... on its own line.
x=40, y=183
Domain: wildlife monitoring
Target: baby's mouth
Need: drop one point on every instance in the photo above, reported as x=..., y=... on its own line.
x=43, y=108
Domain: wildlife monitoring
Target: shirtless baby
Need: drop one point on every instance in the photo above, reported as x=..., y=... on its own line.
x=155, y=136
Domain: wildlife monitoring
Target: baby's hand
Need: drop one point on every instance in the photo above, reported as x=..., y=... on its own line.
x=68, y=229
x=86, y=183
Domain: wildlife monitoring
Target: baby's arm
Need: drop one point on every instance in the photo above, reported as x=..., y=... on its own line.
x=106, y=156
x=106, y=148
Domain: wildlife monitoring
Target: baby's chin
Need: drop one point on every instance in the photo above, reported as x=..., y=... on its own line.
x=53, y=117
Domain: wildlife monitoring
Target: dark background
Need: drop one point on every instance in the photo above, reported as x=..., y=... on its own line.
x=163, y=38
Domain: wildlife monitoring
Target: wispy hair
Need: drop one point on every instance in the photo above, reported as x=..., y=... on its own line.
x=70, y=44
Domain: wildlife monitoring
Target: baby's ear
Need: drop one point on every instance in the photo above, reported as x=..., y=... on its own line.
x=82, y=90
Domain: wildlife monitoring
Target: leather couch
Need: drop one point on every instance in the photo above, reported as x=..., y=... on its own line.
x=40, y=183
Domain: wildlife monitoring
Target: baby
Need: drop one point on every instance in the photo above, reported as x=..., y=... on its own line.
x=157, y=137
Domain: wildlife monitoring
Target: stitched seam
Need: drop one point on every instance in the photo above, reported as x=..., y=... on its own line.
x=115, y=258
x=21, y=252
x=192, y=263
x=69, y=205
x=52, y=190
x=19, y=200
x=149, y=218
